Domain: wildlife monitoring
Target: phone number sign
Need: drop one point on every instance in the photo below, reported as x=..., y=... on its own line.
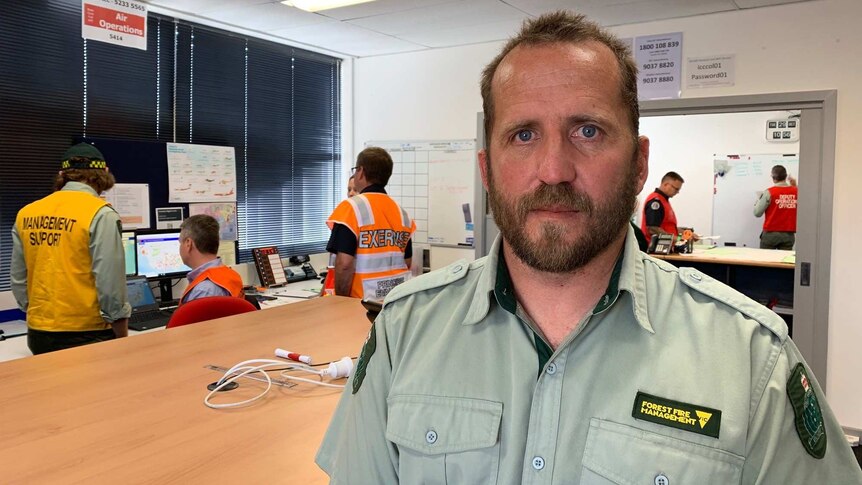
x=121, y=22
x=659, y=60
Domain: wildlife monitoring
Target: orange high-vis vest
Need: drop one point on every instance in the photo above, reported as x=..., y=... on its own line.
x=382, y=229
x=223, y=277
x=781, y=211
x=668, y=224
x=55, y=238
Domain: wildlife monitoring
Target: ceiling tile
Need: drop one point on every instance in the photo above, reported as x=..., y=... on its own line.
x=453, y=15
x=348, y=39
x=763, y=3
x=267, y=16
x=472, y=34
x=379, y=7
x=201, y=7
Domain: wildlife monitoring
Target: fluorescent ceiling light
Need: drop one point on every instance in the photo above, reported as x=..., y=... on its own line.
x=318, y=5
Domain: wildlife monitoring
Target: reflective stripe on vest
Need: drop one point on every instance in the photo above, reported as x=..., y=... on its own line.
x=55, y=238
x=382, y=229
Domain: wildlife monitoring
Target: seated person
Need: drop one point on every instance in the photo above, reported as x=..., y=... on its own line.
x=199, y=239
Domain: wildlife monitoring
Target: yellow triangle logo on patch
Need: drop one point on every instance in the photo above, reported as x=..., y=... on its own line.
x=703, y=416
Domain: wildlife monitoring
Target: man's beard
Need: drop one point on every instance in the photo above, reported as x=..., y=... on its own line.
x=550, y=251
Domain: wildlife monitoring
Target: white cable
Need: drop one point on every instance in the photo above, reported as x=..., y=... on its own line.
x=341, y=368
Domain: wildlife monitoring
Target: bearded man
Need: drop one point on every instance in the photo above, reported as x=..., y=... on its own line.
x=567, y=355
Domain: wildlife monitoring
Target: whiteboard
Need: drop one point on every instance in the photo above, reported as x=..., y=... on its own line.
x=738, y=181
x=434, y=182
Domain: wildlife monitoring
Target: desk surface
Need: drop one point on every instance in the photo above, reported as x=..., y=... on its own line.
x=131, y=410
x=742, y=256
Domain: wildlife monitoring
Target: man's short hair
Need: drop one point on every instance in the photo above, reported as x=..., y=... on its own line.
x=672, y=176
x=565, y=27
x=377, y=165
x=779, y=173
x=203, y=230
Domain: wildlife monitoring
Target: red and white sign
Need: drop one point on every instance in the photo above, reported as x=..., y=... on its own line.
x=121, y=22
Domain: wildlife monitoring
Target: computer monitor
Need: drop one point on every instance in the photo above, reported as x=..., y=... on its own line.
x=158, y=255
x=128, y=238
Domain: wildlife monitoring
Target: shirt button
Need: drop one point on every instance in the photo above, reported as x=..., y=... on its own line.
x=538, y=462
x=695, y=276
x=431, y=437
x=456, y=269
x=552, y=369
x=660, y=479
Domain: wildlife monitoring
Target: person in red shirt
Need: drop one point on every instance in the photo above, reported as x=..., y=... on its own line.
x=779, y=204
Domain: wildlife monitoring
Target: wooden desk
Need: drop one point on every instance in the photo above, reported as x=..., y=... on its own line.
x=131, y=410
x=738, y=256
x=764, y=275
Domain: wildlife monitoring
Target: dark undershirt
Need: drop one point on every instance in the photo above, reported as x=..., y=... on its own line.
x=654, y=217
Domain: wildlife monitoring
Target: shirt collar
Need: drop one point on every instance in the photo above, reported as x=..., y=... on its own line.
x=659, y=192
x=200, y=269
x=79, y=187
x=628, y=276
x=375, y=189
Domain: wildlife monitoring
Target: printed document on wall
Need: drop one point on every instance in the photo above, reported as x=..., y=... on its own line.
x=201, y=173
x=132, y=202
x=223, y=212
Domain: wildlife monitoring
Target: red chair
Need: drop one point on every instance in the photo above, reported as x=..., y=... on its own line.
x=209, y=308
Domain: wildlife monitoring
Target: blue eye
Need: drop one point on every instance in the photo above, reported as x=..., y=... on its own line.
x=525, y=135
x=589, y=131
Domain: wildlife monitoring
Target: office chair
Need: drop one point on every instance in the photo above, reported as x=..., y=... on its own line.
x=209, y=308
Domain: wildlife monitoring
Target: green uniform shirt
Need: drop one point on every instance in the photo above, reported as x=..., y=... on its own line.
x=673, y=379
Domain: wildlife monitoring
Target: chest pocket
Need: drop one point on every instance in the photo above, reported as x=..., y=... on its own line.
x=622, y=455
x=445, y=440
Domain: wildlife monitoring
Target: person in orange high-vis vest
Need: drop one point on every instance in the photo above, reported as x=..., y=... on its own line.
x=371, y=234
x=199, y=240
x=68, y=270
x=779, y=204
x=658, y=216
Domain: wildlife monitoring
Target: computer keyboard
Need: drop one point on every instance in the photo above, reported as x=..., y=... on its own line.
x=149, y=319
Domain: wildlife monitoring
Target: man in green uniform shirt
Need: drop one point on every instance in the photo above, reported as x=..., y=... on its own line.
x=566, y=355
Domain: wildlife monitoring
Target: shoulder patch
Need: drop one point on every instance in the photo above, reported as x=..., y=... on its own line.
x=655, y=205
x=434, y=279
x=806, y=408
x=368, y=350
x=702, y=283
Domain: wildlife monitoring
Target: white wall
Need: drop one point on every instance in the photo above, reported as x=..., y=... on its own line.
x=797, y=47
x=687, y=145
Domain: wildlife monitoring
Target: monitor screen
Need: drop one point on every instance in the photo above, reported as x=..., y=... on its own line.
x=129, y=251
x=158, y=253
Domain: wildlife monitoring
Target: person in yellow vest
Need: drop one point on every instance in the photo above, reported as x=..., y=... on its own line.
x=371, y=233
x=199, y=239
x=68, y=267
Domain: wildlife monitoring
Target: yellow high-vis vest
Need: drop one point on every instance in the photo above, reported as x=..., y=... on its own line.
x=382, y=230
x=61, y=287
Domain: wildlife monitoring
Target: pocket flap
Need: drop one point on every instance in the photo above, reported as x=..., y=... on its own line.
x=628, y=455
x=434, y=424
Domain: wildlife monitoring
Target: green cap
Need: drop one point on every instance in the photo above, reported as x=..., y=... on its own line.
x=83, y=155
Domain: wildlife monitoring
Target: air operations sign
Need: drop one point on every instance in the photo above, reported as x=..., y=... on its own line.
x=121, y=22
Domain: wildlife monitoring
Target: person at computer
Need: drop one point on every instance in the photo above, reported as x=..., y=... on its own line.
x=371, y=234
x=68, y=266
x=566, y=355
x=199, y=240
x=779, y=204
